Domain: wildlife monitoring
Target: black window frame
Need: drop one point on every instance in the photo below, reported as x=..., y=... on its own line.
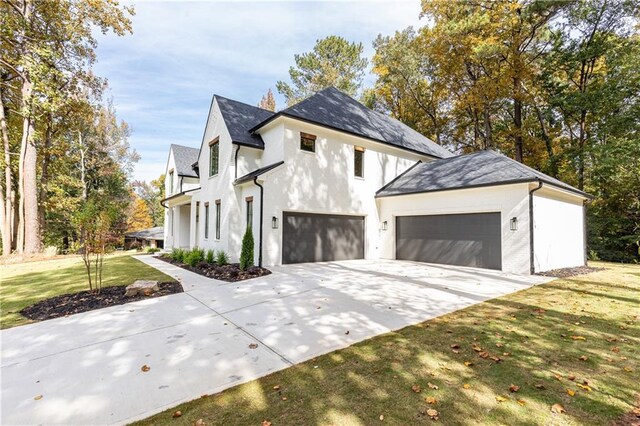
x=307, y=142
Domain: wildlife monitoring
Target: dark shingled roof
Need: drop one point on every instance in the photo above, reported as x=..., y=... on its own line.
x=334, y=109
x=184, y=157
x=156, y=233
x=256, y=173
x=239, y=118
x=483, y=168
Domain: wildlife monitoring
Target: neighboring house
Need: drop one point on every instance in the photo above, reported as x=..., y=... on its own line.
x=329, y=179
x=151, y=237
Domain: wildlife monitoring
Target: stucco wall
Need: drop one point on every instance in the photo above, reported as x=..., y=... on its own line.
x=509, y=200
x=324, y=181
x=558, y=235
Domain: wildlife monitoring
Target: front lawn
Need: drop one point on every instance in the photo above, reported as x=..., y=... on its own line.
x=24, y=284
x=573, y=342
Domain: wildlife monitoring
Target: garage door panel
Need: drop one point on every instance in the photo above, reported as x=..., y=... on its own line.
x=459, y=239
x=319, y=238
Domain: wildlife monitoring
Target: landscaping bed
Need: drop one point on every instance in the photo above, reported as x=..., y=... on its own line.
x=68, y=304
x=230, y=272
x=570, y=272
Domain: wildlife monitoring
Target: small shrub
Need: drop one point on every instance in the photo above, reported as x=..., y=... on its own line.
x=178, y=254
x=194, y=256
x=246, y=255
x=153, y=250
x=210, y=257
x=222, y=258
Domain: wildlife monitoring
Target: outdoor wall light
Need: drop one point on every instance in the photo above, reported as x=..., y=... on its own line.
x=274, y=222
x=513, y=223
x=384, y=225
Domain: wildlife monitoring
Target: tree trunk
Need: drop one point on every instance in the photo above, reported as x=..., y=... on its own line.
x=83, y=177
x=488, y=138
x=517, y=119
x=44, y=180
x=32, y=235
x=6, y=218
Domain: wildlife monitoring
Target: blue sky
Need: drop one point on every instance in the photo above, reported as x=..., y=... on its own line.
x=163, y=76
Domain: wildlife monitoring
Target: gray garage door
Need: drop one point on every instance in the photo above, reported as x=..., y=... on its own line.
x=320, y=237
x=454, y=239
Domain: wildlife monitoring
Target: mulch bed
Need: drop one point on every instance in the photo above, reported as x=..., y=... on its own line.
x=570, y=272
x=230, y=273
x=68, y=304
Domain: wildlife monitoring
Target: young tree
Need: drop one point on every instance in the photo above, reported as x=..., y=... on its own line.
x=139, y=215
x=333, y=61
x=152, y=193
x=268, y=102
x=246, y=255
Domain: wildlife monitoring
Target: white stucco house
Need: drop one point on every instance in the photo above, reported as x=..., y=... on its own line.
x=329, y=179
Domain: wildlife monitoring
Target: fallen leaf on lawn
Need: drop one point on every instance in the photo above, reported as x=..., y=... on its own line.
x=628, y=370
x=276, y=387
x=455, y=346
x=499, y=345
x=585, y=387
x=539, y=386
x=615, y=349
x=253, y=346
x=455, y=351
x=571, y=377
x=636, y=411
x=430, y=400
x=466, y=386
x=432, y=386
x=381, y=417
x=500, y=398
x=476, y=348
x=483, y=354
x=145, y=368
x=468, y=363
x=416, y=388
x=514, y=388
x=557, y=408
x=177, y=414
x=265, y=423
x=495, y=358
x=578, y=337
x=583, y=358
x=201, y=422
x=522, y=402
x=571, y=392
x=284, y=398
x=432, y=413
x=506, y=353
x=612, y=339
x=38, y=397
x=558, y=377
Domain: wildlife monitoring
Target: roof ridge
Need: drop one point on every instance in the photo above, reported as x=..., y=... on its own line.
x=243, y=103
x=184, y=146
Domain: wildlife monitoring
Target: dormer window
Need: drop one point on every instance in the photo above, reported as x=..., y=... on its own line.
x=307, y=142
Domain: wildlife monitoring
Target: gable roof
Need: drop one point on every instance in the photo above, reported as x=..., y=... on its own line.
x=256, y=173
x=240, y=118
x=483, y=168
x=184, y=157
x=336, y=110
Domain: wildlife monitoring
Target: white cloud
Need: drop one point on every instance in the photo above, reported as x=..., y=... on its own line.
x=162, y=77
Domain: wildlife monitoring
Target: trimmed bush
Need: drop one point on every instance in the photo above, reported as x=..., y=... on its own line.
x=153, y=250
x=177, y=254
x=246, y=255
x=193, y=257
x=222, y=258
x=210, y=257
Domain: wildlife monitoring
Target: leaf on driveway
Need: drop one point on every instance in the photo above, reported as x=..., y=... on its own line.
x=145, y=368
x=37, y=397
x=253, y=346
x=557, y=408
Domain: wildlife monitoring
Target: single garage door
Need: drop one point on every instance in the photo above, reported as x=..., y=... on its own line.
x=451, y=239
x=321, y=237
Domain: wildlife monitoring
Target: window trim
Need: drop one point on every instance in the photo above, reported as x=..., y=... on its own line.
x=206, y=220
x=249, y=212
x=171, y=177
x=214, y=142
x=309, y=137
x=357, y=149
x=218, y=218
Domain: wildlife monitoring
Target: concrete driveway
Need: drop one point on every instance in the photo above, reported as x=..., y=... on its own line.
x=87, y=367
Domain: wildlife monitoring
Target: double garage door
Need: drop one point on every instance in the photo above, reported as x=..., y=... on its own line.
x=453, y=239
x=310, y=237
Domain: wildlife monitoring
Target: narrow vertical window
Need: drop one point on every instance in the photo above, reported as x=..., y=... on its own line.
x=214, y=148
x=206, y=220
x=217, y=219
x=358, y=161
x=307, y=142
x=171, y=182
x=249, y=201
x=171, y=220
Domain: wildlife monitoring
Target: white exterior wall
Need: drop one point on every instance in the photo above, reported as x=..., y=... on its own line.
x=558, y=230
x=509, y=200
x=324, y=181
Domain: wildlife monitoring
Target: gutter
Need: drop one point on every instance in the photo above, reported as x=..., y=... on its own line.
x=255, y=180
x=531, y=246
x=235, y=162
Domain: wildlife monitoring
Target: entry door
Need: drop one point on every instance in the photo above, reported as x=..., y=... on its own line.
x=310, y=237
x=453, y=239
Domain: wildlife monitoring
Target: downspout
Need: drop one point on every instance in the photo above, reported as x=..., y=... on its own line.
x=235, y=162
x=255, y=180
x=531, y=247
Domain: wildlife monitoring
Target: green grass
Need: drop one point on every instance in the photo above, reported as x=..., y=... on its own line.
x=24, y=284
x=357, y=385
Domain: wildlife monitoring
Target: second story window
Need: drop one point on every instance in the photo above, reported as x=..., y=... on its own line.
x=358, y=161
x=171, y=182
x=307, y=142
x=214, y=150
x=249, y=201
